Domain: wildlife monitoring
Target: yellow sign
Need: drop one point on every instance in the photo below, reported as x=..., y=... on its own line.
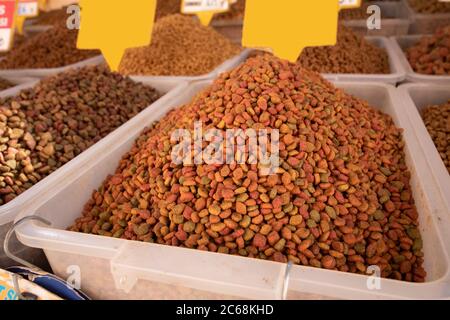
x=114, y=26
x=42, y=5
x=288, y=26
x=205, y=9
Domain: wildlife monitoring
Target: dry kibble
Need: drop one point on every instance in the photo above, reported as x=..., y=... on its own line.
x=236, y=12
x=50, y=49
x=180, y=46
x=429, y=6
x=355, y=14
x=351, y=54
x=437, y=121
x=169, y=7
x=431, y=55
x=17, y=41
x=52, y=17
x=44, y=127
x=297, y=214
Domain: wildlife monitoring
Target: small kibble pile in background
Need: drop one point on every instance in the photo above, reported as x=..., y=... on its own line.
x=437, y=121
x=50, y=49
x=44, y=127
x=5, y=84
x=351, y=54
x=18, y=40
x=429, y=6
x=355, y=14
x=180, y=46
x=341, y=199
x=236, y=12
x=432, y=54
x=167, y=8
x=170, y=7
x=52, y=17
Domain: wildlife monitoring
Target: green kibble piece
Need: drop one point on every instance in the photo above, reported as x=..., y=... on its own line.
x=331, y=212
x=417, y=245
x=118, y=233
x=360, y=248
x=105, y=215
x=384, y=199
x=223, y=250
x=178, y=209
x=315, y=215
x=311, y=223
x=378, y=215
x=177, y=218
x=386, y=171
x=399, y=185
x=246, y=220
x=279, y=246
x=413, y=233
x=122, y=223
x=189, y=226
x=143, y=229
x=399, y=259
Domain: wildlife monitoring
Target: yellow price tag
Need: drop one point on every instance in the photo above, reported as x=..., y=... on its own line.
x=114, y=26
x=288, y=26
x=204, y=9
x=349, y=4
x=42, y=5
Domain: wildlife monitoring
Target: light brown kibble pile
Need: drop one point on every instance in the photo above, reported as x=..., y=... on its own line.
x=180, y=46
x=53, y=48
x=351, y=54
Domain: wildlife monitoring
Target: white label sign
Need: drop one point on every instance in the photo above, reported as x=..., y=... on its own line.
x=5, y=39
x=28, y=8
x=349, y=3
x=194, y=6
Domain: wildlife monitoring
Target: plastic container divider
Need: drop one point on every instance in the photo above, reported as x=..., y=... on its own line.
x=422, y=23
x=18, y=82
x=118, y=269
x=170, y=87
x=225, y=66
x=232, y=29
x=394, y=20
x=42, y=73
x=416, y=97
x=404, y=42
x=397, y=74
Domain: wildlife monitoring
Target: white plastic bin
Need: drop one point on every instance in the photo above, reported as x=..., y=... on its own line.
x=18, y=82
x=400, y=44
x=31, y=30
x=394, y=22
x=170, y=87
x=397, y=74
x=426, y=23
x=121, y=269
x=416, y=97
